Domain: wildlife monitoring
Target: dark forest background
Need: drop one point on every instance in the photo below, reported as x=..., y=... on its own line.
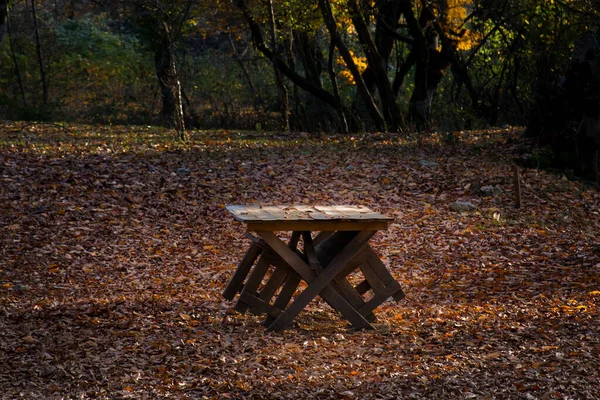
x=314, y=66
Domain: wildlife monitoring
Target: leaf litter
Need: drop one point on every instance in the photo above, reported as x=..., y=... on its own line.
x=115, y=248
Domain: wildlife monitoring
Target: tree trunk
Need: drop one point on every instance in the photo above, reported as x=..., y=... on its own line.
x=334, y=85
x=3, y=18
x=170, y=85
x=374, y=112
x=430, y=63
x=460, y=70
x=310, y=57
x=13, y=54
x=391, y=111
x=284, y=101
x=387, y=18
x=256, y=98
x=38, y=47
x=388, y=14
x=403, y=70
x=279, y=63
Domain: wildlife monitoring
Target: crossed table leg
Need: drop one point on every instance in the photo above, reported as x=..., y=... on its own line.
x=329, y=281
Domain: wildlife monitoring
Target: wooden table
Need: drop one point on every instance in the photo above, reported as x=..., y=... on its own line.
x=334, y=247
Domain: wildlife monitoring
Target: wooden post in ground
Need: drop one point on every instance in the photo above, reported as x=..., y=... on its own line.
x=597, y=168
x=517, y=185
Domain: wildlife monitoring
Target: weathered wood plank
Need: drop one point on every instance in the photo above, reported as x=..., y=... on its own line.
x=242, y=271
x=332, y=297
x=241, y=213
x=293, y=244
x=336, y=301
x=372, y=277
x=288, y=255
x=312, y=212
x=380, y=280
x=399, y=295
x=255, y=240
x=257, y=305
x=298, y=213
x=343, y=287
x=333, y=212
x=266, y=213
x=384, y=275
x=321, y=236
x=320, y=284
x=375, y=301
x=339, y=303
x=363, y=287
x=309, y=251
x=314, y=225
x=245, y=213
x=253, y=283
x=285, y=295
x=355, y=263
x=329, y=248
x=291, y=266
x=351, y=212
x=275, y=281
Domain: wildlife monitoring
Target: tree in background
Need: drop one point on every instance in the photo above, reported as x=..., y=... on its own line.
x=325, y=65
x=4, y=5
x=161, y=25
x=350, y=26
x=30, y=16
x=565, y=113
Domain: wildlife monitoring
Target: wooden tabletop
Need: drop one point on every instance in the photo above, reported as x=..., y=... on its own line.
x=308, y=218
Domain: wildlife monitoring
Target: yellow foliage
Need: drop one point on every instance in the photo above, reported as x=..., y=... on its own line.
x=455, y=13
x=361, y=64
x=453, y=16
x=469, y=40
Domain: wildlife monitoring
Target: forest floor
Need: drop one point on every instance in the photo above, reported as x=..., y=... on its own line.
x=115, y=247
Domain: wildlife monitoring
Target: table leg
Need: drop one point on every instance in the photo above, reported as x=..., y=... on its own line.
x=378, y=279
x=321, y=236
x=351, y=295
x=375, y=271
x=277, y=279
x=285, y=295
x=288, y=255
x=253, y=282
x=242, y=270
x=342, y=286
x=319, y=284
x=310, y=253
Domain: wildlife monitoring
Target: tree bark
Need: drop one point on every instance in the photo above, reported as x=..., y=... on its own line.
x=459, y=69
x=378, y=64
x=419, y=96
x=310, y=56
x=256, y=98
x=388, y=15
x=303, y=83
x=374, y=112
x=401, y=73
x=4, y=4
x=13, y=54
x=334, y=84
x=170, y=85
x=38, y=47
x=284, y=101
